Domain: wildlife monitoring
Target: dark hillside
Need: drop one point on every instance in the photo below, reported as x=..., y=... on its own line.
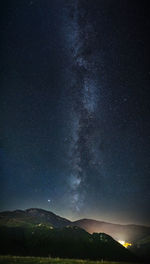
x=68, y=242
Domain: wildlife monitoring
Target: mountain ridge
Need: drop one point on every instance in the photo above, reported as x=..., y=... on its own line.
x=90, y=219
x=78, y=220
x=130, y=232
x=64, y=242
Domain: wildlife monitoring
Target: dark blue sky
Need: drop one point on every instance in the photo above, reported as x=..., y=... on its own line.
x=75, y=130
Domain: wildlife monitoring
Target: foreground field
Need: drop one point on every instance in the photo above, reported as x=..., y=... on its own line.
x=38, y=260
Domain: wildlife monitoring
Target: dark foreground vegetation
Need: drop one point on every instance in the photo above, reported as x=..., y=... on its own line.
x=39, y=260
x=69, y=242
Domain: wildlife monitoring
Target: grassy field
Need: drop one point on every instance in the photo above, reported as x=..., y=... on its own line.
x=38, y=260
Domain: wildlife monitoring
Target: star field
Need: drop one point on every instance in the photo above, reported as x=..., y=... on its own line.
x=75, y=135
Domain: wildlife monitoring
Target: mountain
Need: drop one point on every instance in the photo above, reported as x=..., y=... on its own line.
x=128, y=233
x=65, y=242
x=32, y=216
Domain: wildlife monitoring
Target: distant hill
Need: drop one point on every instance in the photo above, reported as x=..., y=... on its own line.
x=65, y=242
x=129, y=233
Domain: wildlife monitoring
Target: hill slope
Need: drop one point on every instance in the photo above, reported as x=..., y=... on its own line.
x=129, y=233
x=32, y=216
x=142, y=248
x=67, y=242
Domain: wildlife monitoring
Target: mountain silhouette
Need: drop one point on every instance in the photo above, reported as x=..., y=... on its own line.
x=129, y=233
x=32, y=216
x=65, y=242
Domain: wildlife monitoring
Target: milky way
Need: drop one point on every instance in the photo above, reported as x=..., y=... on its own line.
x=83, y=153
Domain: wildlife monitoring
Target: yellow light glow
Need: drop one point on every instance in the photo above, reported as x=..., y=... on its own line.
x=125, y=244
x=121, y=242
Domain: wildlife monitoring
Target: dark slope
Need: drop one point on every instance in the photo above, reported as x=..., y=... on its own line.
x=142, y=248
x=67, y=242
x=130, y=233
x=32, y=216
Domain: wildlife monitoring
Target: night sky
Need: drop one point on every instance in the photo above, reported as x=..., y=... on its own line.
x=75, y=108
